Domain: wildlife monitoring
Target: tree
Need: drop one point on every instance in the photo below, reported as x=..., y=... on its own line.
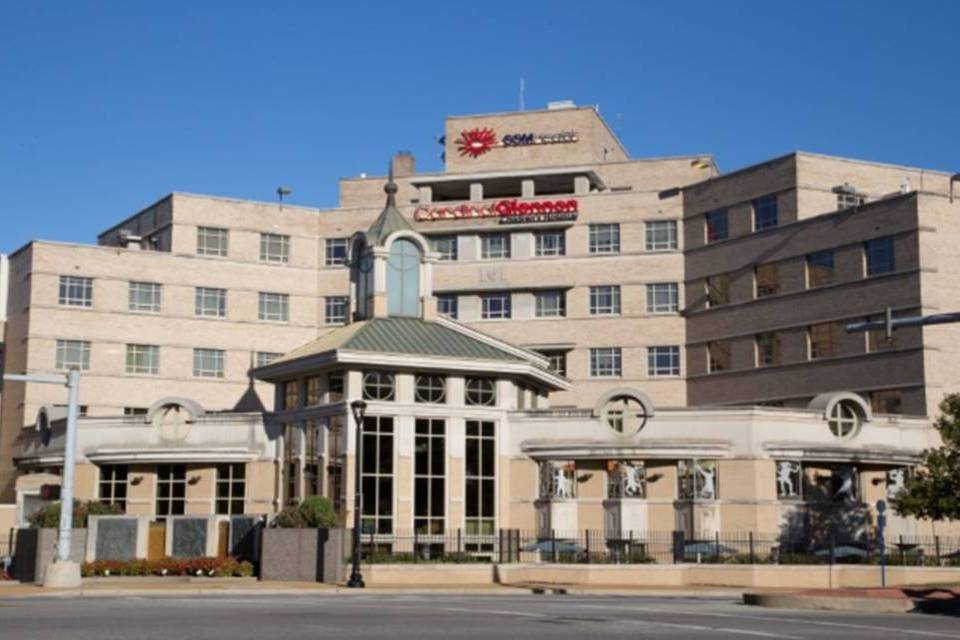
x=934, y=490
x=314, y=512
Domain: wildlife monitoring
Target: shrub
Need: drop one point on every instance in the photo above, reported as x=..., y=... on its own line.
x=48, y=517
x=228, y=567
x=313, y=513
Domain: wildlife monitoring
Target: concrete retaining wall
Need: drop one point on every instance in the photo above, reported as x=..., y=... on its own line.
x=312, y=555
x=650, y=575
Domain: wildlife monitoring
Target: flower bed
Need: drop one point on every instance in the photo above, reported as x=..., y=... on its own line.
x=212, y=567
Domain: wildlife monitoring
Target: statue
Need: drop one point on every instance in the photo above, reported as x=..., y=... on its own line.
x=563, y=485
x=896, y=479
x=787, y=473
x=846, y=490
x=708, y=486
x=633, y=477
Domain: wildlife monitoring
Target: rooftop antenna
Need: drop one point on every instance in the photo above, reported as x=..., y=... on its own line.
x=522, y=89
x=283, y=191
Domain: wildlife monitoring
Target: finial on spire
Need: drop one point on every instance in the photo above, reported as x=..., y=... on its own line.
x=391, y=187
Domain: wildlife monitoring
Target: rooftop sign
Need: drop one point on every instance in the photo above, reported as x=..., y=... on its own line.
x=479, y=140
x=507, y=211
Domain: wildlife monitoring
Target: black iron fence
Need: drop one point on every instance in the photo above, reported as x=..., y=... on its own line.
x=656, y=547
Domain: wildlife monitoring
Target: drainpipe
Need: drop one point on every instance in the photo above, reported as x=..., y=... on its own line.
x=954, y=178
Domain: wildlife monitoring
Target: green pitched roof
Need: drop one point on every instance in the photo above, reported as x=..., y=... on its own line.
x=389, y=220
x=408, y=336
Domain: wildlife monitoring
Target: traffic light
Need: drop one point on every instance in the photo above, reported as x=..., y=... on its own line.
x=49, y=492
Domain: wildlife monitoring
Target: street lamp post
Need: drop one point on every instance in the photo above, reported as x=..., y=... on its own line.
x=359, y=408
x=62, y=572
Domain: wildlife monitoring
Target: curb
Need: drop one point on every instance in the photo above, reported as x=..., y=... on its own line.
x=827, y=603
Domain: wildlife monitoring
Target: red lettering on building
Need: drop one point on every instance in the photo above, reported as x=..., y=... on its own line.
x=497, y=209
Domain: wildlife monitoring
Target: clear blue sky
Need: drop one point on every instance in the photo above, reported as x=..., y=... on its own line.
x=108, y=106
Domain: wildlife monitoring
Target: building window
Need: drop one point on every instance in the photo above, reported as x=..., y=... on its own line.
x=886, y=401
x=661, y=235
x=312, y=432
x=274, y=248
x=135, y=411
x=145, y=296
x=604, y=238
x=73, y=354
x=717, y=225
x=76, y=292
x=765, y=213
x=113, y=485
x=662, y=297
x=314, y=391
x=378, y=385
x=291, y=395
x=820, y=268
x=625, y=414
x=844, y=420
x=879, y=255
x=211, y=302
x=550, y=243
x=495, y=306
x=143, y=358
x=495, y=246
x=768, y=348
x=823, y=340
x=847, y=198
x=481, y=392
x=273, y=307
x=446, y=246
x=429, y=388
x=550, y=304
x=171, y=490
x=337, y=250
x=606, y=362
x=429, y=476
x=480, y=465
x=447, y=306
x=335, y=309
x=718, y=356
x=377, y=475
x=208, y=363
x=663, y=361
x=557, y=361
x=291, y=463
x=334, y=386
x=605, y=300
x=717, y=290
x=767, y=279
x=263, y=358
x=211, y=241
x=231, y=488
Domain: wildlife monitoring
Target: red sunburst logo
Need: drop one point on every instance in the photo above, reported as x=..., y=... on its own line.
x=476, y=142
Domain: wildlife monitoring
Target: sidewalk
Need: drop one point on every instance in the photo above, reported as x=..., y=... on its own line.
x=145, y=587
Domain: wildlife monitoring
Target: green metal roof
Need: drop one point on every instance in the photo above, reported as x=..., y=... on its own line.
x=389, y=220
x=409, y=336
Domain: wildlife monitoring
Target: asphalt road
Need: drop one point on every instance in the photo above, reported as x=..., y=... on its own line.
x=398, y=617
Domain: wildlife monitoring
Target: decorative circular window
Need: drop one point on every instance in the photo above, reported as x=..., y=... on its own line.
x=481, y=391
x=844, y=420
x=625, y=414
x=378, y=385
x=431, y=389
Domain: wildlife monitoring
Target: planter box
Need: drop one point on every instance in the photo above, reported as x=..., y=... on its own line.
x=307, y=555
x=36, y=548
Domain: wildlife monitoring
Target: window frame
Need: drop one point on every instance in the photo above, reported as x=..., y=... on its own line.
x=603, y=238
x=142, y=359
x=199, y=367
x=429, y=511
x=449, y=253
x=486, y=248
x=426, y=391
x=597, y=303
x=138, y=290
x=816, y=267
x=273, y=307
x=447, y=299
x=655, y=365
x=112, y=484
x=766, y=280
x=766, y=212
x=712, y=225
x=480, y=391
x=378, y=385
x=226, y=497
x=213, y=242
x=505, y=311
x=672, y=291
x=330, y=304
x=653, y=228
x=559, y=310
x=556, y=248
x=885, y=248
x=75, y=291
x=611, y=369
x=274, y=248
x=203, y=295
x=332, y=247
x=63, y=347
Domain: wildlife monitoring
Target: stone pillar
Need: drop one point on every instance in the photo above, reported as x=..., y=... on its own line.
x=476, y=191
x=527, y=188
x=581, y=185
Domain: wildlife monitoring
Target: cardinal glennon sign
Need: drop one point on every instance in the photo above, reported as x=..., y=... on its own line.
x=509, y=211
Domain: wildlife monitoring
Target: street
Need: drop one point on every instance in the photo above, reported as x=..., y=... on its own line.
x=399, y=617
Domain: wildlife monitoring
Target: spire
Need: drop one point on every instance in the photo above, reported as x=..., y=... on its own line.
x=390, y=219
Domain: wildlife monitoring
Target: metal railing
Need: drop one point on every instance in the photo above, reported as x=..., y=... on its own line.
x=655, y=547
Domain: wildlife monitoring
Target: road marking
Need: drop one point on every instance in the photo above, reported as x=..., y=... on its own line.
x=849, y=625
x=522, y=614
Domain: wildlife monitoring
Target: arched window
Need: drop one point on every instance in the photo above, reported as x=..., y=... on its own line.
x=625, y=414
x=403, y=279
x=844, y=420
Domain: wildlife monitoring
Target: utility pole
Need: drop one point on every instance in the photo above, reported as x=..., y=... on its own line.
x=62, y=572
